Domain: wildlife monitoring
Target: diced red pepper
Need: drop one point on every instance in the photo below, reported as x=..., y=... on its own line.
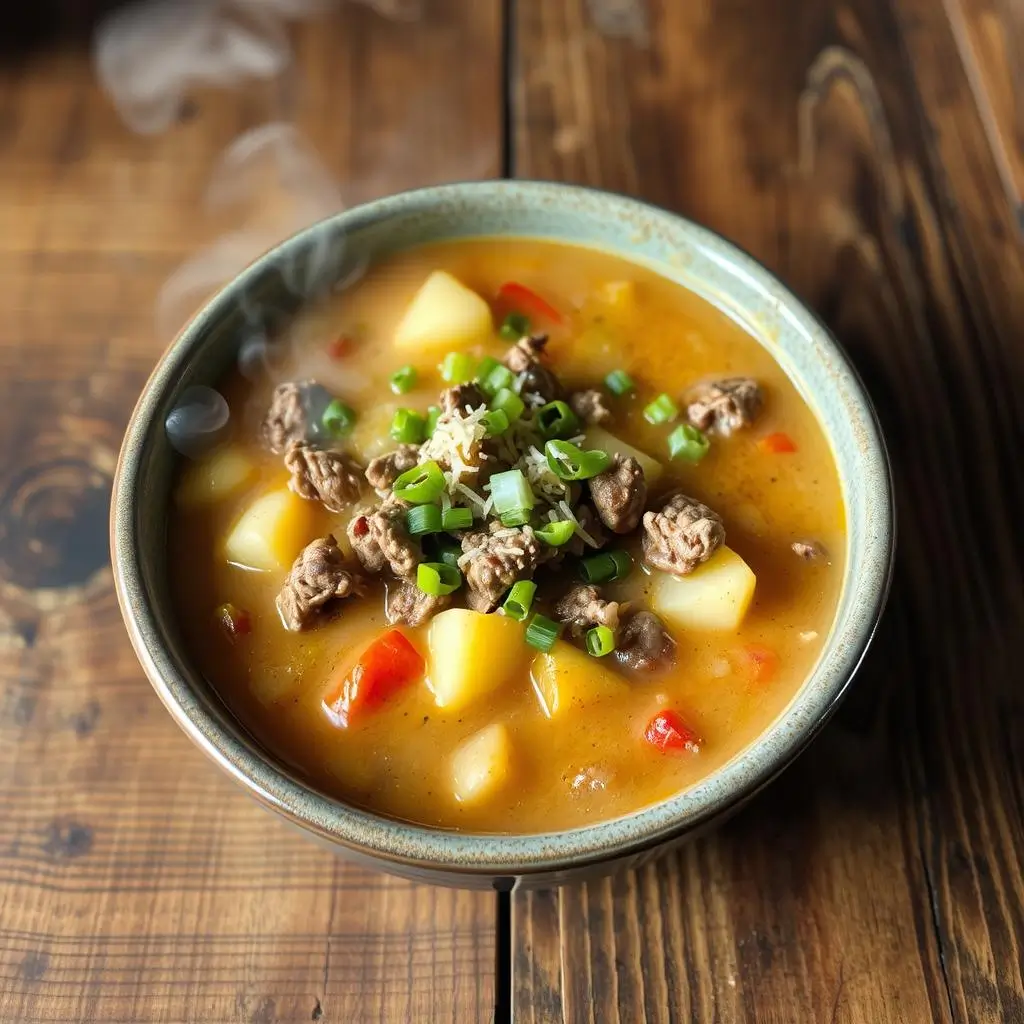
x=777, y=444
x=385, y=667
x=236, y=622
x=668, y=732
x=514, y=297
x=760, y=663
x=340, y=347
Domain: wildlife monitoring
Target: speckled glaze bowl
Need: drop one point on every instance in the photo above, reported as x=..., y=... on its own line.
x=313, y=262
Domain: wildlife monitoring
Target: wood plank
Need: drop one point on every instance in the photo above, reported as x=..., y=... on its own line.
x=137, y=883
x=845, y=147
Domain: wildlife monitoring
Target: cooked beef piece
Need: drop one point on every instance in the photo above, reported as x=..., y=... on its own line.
x=682, y=535
x=317, y=579
x=590, y=406
x=462, y=396
x=295, y=412
x=619, y=494
x=583, y=607
x=524, y=358
x=407, y=603
x=383, y=471
x=809, y=550
x=380, y=538
x=644, y=643
x=495, y=559
x=722, y=406
x=329, y=477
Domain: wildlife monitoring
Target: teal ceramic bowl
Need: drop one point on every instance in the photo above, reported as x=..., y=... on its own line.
x=312, y=262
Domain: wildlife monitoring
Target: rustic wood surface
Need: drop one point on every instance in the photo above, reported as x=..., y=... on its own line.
x=870, y=151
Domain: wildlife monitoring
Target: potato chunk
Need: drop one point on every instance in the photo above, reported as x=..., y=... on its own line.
x=271, y=531
x=565, y=677
x=481, y=764
x=596, y=437
x=218, y=476
x=444, y=312
x=471, y=654
x=715, y=596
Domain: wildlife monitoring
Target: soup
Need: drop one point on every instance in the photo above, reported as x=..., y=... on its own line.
x=509, y=537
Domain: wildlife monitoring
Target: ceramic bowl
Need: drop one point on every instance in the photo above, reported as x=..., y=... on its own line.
x=313, y=262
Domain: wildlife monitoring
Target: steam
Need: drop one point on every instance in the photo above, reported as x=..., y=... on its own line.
x=197, y=422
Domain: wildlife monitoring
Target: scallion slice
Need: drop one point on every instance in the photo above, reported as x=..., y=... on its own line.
x=496, y=378
x=507, y=401
x=520, y=597
x=661, y=410
x=338, y=418
x=437, y=579
x=687, y=442
x=423, y=519
x=568, y=462
x=408, y=427
x=556, y=419
x=511, y=492
x=600, y=641
x=495, y=422
x=619, y=382
x=421, y=484
x=403, y=380
x=457, y=518
x=605, y=567
x=514, y=327
x=433, y=415
x=447, y=551
x=556, y=534
x=516, y=517
x=542, y=632
x=456, y=368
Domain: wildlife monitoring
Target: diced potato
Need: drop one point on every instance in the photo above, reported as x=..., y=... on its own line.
x=596, y=437
x=444, y=312
x=371, y=436
x=471, y=654
x=218, y=476
x=714, y=596
x=481, y=764
x=565, y=677
x=621, y=295
x=271, y=532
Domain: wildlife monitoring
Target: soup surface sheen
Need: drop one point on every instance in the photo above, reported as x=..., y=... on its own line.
x=590, y=762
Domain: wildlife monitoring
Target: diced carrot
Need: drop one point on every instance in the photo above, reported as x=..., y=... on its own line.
x=668, y=732
x=760, y=663
x=340, y=347
x=514, y=297
x=777, y=444
x=385, y=667
x=236, y=622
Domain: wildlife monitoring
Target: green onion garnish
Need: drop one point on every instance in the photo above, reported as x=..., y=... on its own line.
x=517, y=517
x=495, y=422
x=447, y=551
x=542, y=632
x=496, y=378
x=511, y=492
x=687, y=442
x=556, y=419
x=338, y=418
x=433, y=415
x=437, y=579
x=514, y=327
x=485, y=366
x=457, y=518
x=605, y=567
x=661, y=410
x=420, y=484
x=422, y=519
x=408, y=427
x=520, y=597
x=568, y=462
x=403, y=380
x=508, y=402
x=619, y=382
x=600, y=641
x=456, y=368
x=557, y=534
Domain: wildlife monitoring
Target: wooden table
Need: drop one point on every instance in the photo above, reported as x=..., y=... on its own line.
x=870, y=152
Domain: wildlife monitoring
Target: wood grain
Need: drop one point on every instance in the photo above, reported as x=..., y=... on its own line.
x=136, y=883
x=850, y=147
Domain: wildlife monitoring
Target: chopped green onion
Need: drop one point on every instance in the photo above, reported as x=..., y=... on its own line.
x=457, y=518
x=485, y=366
x=568, y=462
x=511, y=492
x=600, y=641
x=403, y=380
x=408, y=427
x=514, y=327
x=520, y=597
x=661, y=410
x=556, y=419
x=542, y=632
x=495, y=422
x=496, y=378
x=686, y=442
x=456, y=368
x=437, y=579
x=338, y=418
x=556, y=534
x=619, y=382
x=507, y=401
x=605, y=567
x=517, y=517
x=433, y=415
x=420, y=484
x=421, y=519
x=447, y=551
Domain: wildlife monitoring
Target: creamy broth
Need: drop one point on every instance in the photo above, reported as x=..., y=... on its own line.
x=590, y=763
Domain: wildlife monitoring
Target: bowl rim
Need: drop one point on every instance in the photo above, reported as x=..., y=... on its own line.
x=408, y=845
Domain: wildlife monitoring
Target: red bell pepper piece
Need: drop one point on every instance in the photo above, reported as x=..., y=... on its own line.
x=384, y=668
x=777, y=444
x=340, y=347
x=520, y=299
x=760, y=663
x=668, y=732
